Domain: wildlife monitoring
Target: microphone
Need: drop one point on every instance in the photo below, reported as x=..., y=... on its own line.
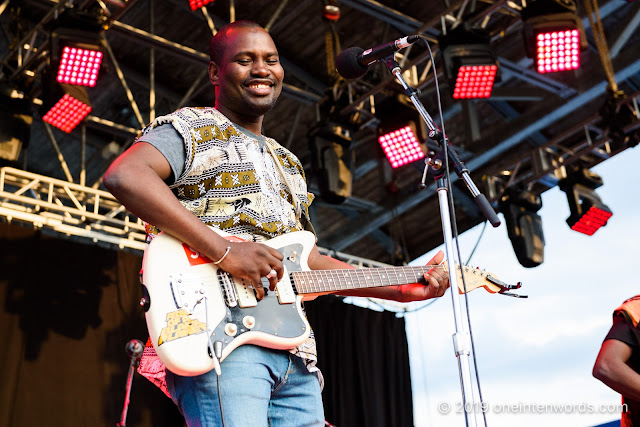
x=354, y=62
x=134, y=349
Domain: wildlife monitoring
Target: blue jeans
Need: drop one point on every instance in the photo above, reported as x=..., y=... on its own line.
x=260, y=387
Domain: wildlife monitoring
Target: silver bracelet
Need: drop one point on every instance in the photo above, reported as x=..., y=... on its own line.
x=223, y=256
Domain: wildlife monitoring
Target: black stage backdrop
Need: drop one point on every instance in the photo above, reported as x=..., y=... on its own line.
x=364, y=357
x=68, y=309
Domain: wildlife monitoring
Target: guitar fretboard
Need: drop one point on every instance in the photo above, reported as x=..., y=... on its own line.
x=308, y=282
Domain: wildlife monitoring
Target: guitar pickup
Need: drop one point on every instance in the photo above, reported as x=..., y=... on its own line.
x=285, y=291
x=246, y=295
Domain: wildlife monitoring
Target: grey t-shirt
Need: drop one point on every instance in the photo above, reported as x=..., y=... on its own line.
x=169, y=142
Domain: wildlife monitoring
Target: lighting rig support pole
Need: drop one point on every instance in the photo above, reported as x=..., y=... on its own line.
x=462, y=337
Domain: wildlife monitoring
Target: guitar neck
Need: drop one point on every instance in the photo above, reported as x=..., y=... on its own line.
x=324, y=281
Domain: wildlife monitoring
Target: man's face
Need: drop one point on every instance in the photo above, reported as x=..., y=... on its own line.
x=249, y=75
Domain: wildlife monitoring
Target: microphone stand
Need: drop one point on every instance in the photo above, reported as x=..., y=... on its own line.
x=436, y=166
x=134, y=349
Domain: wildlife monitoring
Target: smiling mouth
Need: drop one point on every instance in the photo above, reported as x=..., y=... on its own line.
x=260, y=89
x=259, y=86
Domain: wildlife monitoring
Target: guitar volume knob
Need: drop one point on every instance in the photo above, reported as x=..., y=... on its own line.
x=249, y=322
x=231, y=329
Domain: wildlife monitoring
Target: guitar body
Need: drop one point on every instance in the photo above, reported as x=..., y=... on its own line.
x=194, y=306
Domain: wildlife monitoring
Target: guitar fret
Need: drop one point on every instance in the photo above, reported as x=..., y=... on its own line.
x=323, y=280
x=352, y=281
x=360, y=277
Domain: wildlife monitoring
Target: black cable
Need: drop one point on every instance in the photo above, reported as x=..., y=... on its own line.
x=445, y=143
x=473, y=251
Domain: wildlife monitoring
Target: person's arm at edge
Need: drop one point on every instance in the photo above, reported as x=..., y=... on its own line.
x=611, y=368
x=402, y=293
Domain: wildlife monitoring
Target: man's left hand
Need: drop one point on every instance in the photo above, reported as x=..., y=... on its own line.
x=437, y=279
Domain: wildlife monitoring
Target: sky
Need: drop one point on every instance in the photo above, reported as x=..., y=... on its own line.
x=535, y=355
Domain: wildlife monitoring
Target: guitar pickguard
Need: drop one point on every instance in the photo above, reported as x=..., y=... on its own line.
x=261, y=317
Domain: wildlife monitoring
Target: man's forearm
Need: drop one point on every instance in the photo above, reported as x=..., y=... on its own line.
x=139, y=188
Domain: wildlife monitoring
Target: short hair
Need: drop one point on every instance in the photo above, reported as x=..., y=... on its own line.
x=218, y=42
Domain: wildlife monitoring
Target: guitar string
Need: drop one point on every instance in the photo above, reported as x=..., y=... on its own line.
x=323, y=280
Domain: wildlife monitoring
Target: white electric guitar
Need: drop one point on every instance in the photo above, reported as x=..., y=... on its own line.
x=194, y=309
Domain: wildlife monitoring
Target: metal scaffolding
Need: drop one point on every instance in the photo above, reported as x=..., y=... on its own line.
x=67, y=208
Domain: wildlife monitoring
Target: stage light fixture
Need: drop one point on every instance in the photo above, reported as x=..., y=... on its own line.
x=469, y=63
x=66, y=106
x=622, y=119
x=79, y=66
x=588, y=213
x=402, y=146
x=197, y=4
x=332, y=159
x=15, y=124
x=77, y=55
x=524, y=227
x=401, y=131
x=553, y=35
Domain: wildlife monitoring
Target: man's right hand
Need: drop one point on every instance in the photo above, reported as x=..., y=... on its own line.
x=253, y=261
